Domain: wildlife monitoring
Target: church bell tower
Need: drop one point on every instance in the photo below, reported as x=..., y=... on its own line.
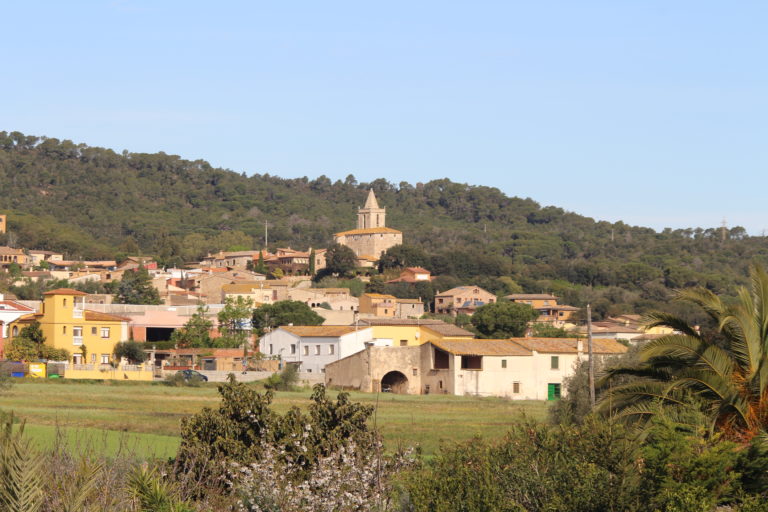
x=370, y=215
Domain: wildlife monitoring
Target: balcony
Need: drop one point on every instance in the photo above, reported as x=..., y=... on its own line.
x=77, y=340
x=77, y=313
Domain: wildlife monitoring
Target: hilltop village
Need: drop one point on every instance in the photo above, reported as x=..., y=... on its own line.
x=344, y=330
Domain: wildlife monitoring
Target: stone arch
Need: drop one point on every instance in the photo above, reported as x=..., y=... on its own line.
x=395, y=381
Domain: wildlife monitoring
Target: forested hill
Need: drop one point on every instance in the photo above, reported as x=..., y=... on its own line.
x=94, y=203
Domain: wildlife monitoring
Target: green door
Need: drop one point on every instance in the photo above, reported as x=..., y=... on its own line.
x=553, y=391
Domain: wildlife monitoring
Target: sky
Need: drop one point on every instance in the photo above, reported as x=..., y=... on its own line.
x=654, y=113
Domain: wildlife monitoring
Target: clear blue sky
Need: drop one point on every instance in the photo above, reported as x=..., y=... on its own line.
x=653, y=112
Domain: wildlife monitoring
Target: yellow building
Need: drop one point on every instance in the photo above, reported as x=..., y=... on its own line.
x=410, y=332
x=377, y=304
x=67, y=325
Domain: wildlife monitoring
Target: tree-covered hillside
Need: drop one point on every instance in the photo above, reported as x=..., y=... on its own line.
x=94, y=203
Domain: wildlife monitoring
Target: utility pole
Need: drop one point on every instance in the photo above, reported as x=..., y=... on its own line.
x=591, y=359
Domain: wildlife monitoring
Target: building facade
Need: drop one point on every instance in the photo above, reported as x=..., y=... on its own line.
x=66, y=324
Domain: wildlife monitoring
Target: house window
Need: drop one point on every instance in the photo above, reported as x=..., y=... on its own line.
x=15, y=331
x=415, y=372
x=503, y=363
x=271, y=351
x=64, y=330
x=104, y=358
x=93, y=330
x=317, y=350
x=516, y=387
x=65, y=302
x=553, y=391
x=386, y=312
x=105, y=332
x=471, y=362
x=441, y=360
x=554, y=362
x=93, y=358
x=77, y=331
x=331, y=349
x=306, y=350
x=293, y=348
x=440, y=384
x=403, y=343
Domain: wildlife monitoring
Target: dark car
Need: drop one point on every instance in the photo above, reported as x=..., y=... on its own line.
x=193, y=374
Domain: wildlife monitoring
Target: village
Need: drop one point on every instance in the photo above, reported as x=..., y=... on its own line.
x=371, y=342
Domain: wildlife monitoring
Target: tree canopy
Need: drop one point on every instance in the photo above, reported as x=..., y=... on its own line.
x=100, y=203
x=284, y=312
x=503, y=319
x=136, y=288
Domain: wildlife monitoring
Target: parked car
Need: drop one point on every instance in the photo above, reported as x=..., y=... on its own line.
x=193, y=374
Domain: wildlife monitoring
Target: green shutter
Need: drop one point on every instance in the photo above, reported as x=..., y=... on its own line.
x=553, y=391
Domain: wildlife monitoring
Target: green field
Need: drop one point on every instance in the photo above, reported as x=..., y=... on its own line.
x=144, y=418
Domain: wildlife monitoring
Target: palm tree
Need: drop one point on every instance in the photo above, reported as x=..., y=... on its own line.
x=725, y=373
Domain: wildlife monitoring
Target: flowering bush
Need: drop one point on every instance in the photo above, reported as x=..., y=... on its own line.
x=347, y=480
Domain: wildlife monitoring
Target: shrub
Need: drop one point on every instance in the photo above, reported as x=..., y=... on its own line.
x=178, y=380
x=285, y=380
x=133, y=351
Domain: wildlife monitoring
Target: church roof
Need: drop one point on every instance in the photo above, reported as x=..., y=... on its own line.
x=371, y=202
x=369, y=231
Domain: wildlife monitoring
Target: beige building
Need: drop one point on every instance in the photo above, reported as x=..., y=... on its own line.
x=9, y=255
x=549, y=310
x=462, y=300
x=3, y=223
x=378, y=304
x=37, y=256
x=372, y=237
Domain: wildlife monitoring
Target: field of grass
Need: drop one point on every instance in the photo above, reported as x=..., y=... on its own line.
x=144, y=418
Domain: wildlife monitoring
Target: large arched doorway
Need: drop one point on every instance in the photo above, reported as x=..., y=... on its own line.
x=394, y=382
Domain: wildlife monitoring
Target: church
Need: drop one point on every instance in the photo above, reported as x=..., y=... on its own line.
x=372, y=237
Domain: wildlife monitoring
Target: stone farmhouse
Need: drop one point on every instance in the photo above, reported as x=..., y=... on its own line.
x=518, y=368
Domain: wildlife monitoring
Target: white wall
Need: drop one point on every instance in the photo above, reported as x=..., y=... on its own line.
x=311, y=361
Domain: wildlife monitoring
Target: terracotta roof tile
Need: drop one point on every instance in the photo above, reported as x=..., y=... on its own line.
x=320, y=331
x=66, y=291
x=369, y=231
x=482, y=347
x=96, y=316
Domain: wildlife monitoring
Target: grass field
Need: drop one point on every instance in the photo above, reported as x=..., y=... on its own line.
x=144, y=418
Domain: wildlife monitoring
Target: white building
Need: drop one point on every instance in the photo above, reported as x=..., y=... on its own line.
x=9, y=311
x=315, y=346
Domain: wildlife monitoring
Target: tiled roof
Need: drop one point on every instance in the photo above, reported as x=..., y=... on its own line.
x=531, y=296
x=418, y=270
x=9, y=250
x=369, y=231
x=482, y=347
x=408, y=301
x=96, y=316
x=378, y=296
x=240, y=288
x=320, y=331
x=570, y=345
x=450, y=330
x=400, y=321
x=462, y=290
x=66, y=291
x=11, y=305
